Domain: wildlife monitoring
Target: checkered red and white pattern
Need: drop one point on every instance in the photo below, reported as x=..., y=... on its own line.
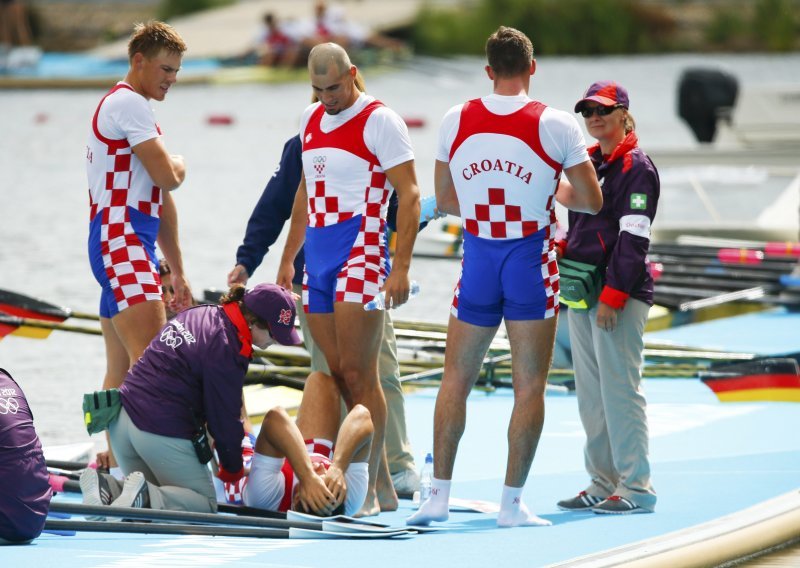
x=550, y=271
x=233, y=491
x=324, y=209
x=504, y=179
x=497, y=218
x=352, y=182
x=123, y=185
x=456, y=292
x=338, y=168
x=319, y=450
x=365, y=270
x=320, y=446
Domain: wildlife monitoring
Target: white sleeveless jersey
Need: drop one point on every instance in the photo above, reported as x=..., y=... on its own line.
x=344, y=165
x=504, y=177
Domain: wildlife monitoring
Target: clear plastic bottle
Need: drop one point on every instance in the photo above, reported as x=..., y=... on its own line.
x=426, y=478
x=379, y=303
x=427, y=209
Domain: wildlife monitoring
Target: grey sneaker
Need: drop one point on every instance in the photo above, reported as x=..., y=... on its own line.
x=405, y=482
x=616, y=505
x=98, y=489
x=581, y=502
x=134, y=492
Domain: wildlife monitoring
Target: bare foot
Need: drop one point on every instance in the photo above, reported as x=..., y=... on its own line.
x=371, y=507
x=387, y=498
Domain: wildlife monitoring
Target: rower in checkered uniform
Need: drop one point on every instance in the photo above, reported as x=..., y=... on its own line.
x=356, y=151
x=499, y=161
x=130, y=176
x=317, y=463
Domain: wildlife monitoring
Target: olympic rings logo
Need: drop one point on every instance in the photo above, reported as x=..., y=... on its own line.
x=319, y=159
x=170, y=338
x=9, y=406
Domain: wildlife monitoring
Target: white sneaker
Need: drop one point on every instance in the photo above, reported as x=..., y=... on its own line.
x=134, y=492
x=405, y=482
x=98, y=489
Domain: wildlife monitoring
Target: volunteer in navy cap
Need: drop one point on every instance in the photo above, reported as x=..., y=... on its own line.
x=188, y=379
x=607, y=340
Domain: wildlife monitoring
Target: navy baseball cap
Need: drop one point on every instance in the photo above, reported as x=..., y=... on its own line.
x=606, y=93
x=274, y=305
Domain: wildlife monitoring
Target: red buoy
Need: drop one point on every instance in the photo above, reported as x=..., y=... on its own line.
x=220, y=119
x=414, y=122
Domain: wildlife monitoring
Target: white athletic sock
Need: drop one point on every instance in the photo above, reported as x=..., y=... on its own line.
x=514, y=513
x=436, y=508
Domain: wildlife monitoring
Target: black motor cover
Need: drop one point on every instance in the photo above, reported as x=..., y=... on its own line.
x=703, y=96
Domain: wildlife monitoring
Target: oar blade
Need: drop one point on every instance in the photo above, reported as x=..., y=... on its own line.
x=23, y=306
x=32, y=332
x=313, y=534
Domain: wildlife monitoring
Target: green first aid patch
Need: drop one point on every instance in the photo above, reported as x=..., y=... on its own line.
x=638, y=201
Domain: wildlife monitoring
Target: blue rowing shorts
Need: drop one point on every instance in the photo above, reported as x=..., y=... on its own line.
x=344, y=263
x=511, y=279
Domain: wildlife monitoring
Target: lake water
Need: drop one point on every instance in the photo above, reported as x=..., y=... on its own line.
x=43, y=196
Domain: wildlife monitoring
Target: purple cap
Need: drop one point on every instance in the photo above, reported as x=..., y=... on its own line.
x=274, y=305
x=606, y=93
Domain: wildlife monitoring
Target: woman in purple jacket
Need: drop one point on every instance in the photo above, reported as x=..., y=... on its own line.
x=607, y=340
x=190, y=376
x=24, y=490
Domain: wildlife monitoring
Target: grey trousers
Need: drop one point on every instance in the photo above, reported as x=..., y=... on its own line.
x=175, y=477
x=398, y=448
x=612, y=404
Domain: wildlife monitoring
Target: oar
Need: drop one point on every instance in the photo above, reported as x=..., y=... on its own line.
x=178, y=516
x=69, y=465
x=156, y=528
x=755, y=293
x=19, y=322
x=307, y=522
x=292, y=515
x=62, y=484
x=21, y=305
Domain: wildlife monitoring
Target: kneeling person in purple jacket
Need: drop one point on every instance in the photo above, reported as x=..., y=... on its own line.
x=190, y=375
x=25, y=494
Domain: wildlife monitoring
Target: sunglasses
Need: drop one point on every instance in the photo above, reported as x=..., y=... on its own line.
x=587, y=112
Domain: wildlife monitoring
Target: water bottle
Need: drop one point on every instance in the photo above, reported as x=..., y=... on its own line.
x=426, y=478
x=379, y=303
x=427, y=209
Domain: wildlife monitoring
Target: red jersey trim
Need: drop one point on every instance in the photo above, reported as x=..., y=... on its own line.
x=348, y=136
x=322, y=452
x=110, y=142
x=477, y=119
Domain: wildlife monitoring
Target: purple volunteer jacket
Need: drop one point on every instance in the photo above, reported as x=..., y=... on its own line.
x=619, y=235
x=24, y=489
x=192, y=373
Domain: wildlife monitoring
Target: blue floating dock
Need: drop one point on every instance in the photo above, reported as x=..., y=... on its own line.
x=709, y=460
